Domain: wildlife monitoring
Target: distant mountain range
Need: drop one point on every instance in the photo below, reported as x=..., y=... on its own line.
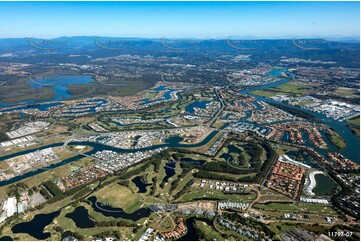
x=89, y=40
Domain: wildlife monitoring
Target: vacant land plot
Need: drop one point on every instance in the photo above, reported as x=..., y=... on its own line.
x=289, y=88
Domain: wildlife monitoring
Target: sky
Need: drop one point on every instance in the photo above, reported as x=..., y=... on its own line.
x=179, y=19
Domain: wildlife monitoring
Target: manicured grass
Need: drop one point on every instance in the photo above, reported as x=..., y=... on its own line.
x=302, y=104
x=183, y=182
x=277, y=207
x=291, y=88
x=166, y=225
x=263, y=93
x=119, y=196
x=337, y=140
x=207, y=233
x=288, y=88
x=354, y=121
x=298, y=207
x=69, y=224
x=165, y=191
x=317, y=208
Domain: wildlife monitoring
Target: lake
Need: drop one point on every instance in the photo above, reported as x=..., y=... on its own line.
x=324, y=185
x=169, y=168
x=36, y=226
x=142, y=187
x=59, y=84
x=81, y=218
x=191, y=230
x=196, y=104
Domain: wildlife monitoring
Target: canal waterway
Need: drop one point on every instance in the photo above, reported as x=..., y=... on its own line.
x=351, y=151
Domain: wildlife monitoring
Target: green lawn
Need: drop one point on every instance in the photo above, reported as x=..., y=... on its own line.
x=119, y=196
x=288, y=88
x=277, y=206
x=337, y=140
x=206, y=232
x=348, y=92
x=292, y=88
x=263, y=93
x=354, y=121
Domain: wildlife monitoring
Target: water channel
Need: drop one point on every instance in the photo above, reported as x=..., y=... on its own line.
x=351, y=151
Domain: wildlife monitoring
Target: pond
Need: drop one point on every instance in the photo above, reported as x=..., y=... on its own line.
x=231, y=149
x=173, y=140
x=196, y=104
x=81, y=218
x=191, y=230
x=142, y=187
x=67, y=234
x=324, y=185
x=35, y=227
x=169, y=171
x=6, y=238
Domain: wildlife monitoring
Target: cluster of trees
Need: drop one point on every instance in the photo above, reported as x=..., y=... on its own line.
x=214, y=176
x=15, y=189
x=336, y=198
x=81, y=193
x=45, y=193
x=224, y=167
x=3, y=137
x=271, y=155
x=354, y=228
x=113, y=223
x=53, y=188
x=123, y=183
x=208, y=170
x=155, y=160
x=255, y=151
x=56, y=196
x=175, y=183
x=103, y=234
x=183, y=191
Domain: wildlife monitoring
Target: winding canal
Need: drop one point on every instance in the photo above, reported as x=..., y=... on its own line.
x=351, y=151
